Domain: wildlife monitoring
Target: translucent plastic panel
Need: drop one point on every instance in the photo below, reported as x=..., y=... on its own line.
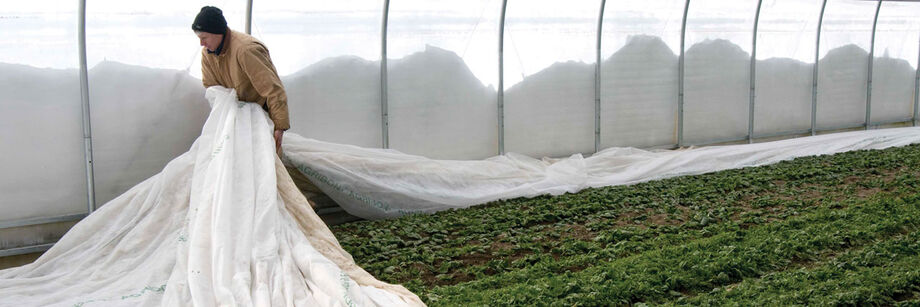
x=39, y=33
x=41, y=121
x=442, y=73
x=328, y=55
x=152, y=35
x=550, y=51
x=897, y=38
x=639, y=72
x=843, y=67
x=786, y=42
x=146, y=108
x=717, y=70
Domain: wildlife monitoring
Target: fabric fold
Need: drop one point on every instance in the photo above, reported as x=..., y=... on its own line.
x=374, y=183
x=221, y=225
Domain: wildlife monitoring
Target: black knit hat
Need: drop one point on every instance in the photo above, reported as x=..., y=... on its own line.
x=211, y=20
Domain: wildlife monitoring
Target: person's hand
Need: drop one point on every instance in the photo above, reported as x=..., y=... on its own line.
x=278, y=135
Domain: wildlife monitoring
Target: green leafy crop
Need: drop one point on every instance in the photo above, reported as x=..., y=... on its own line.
x=825, y=230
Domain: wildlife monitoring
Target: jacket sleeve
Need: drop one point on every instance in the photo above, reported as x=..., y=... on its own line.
x=207, y=72
x=257, y=65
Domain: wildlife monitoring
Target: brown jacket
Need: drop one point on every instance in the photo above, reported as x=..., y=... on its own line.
x=244, y=65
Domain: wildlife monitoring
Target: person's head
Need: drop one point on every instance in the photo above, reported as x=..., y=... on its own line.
x=210, y=27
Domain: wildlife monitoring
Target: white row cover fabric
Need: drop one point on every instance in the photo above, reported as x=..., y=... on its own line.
x=382, y=183
x=221, y=225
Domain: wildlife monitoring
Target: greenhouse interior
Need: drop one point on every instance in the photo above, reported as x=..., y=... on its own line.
x=420, y=128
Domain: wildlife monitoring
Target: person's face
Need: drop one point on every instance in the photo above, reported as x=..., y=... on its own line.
x=209, y=40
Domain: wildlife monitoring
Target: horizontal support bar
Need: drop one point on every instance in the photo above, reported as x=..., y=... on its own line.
x=25, y=250
x=665, y=146
x=719, y=141
x=851, y=126
x=784, y=133
x=655, y=147
x=906, y=120
x=42, y=220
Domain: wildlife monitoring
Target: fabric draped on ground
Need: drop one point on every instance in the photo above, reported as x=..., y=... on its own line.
x=383, y=183
x=221, y=225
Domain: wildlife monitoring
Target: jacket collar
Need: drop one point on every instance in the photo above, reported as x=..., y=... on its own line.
x=224, y=46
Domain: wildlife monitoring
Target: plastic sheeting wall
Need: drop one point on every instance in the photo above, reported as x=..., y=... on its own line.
x=549, y=76
x=328, y=56
x=896, y=47
x=784, y=71
x=449, y=49
x=147, y=102
x=640, y=45
x=843, y=68
x=717, y=70
x=42, y=169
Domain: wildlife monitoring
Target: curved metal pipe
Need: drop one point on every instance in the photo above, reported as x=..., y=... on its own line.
x=917, y=92
x=501, y=79
x=597, y=80
x=384, y=109
x=814, y=77
x=680, y=78
x=753, y=74
x=87, y=124
x=249, y=16
x=878, y=8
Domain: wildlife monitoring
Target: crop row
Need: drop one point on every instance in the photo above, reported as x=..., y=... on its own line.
x=703, y=264
x=455, y=256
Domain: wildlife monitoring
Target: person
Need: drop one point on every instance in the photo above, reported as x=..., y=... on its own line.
x=239, y=61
